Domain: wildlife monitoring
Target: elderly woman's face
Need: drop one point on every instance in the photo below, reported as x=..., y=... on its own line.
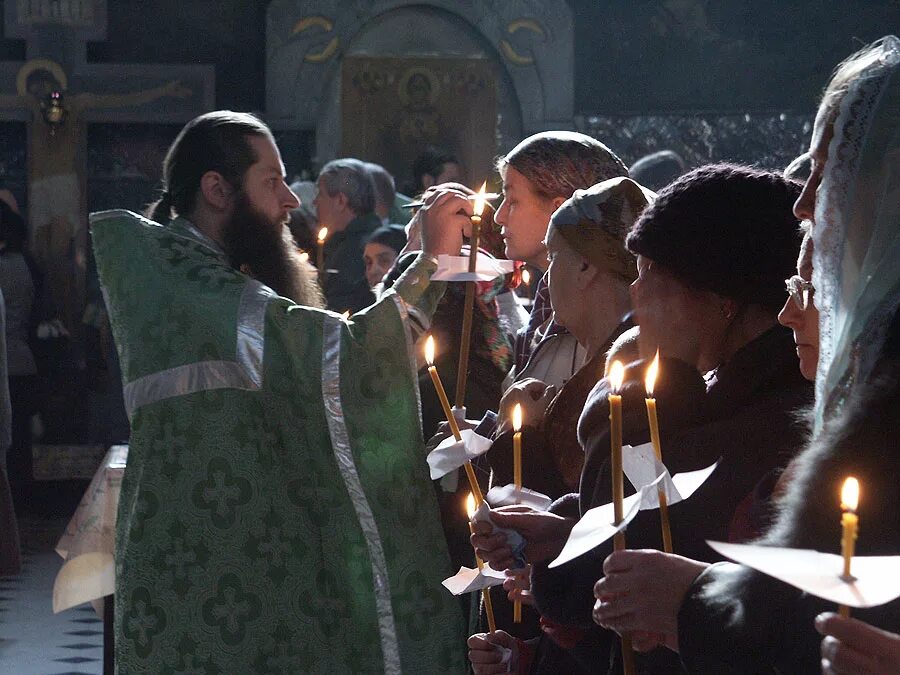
x=804, y=322
x=562, y=273
x=680, y=321
x=823, y=132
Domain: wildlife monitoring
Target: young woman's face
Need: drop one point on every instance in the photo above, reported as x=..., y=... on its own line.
x=523, y=217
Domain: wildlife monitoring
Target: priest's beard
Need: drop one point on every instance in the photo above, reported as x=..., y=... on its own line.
x=265, y=250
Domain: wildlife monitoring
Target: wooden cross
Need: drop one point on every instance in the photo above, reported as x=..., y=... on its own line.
x=58, y=93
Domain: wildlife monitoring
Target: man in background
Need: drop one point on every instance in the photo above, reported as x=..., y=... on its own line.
x=345, y=204
x=435, y=166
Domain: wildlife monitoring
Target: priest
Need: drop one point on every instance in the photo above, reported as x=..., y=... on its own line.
x=276, y=513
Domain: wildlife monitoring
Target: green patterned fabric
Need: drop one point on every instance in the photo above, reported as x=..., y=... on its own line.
x=276, y=513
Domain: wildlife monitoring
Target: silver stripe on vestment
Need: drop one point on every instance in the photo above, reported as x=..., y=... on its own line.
x=183, y=380
x=404, y=310
x=251, y=329
x=419, y=322
x=340, y=443
x=244, y=373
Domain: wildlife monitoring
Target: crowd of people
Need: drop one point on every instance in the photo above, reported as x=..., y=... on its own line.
x=712, y=250
x=276, y=513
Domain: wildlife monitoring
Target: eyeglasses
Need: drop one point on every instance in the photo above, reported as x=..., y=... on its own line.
x=801, y=291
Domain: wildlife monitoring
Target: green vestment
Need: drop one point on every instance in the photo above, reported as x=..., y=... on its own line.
x=276, y=513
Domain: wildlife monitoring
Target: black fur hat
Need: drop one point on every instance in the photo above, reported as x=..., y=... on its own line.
x=724, y=228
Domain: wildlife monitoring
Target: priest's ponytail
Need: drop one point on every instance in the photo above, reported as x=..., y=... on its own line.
x=160, y=211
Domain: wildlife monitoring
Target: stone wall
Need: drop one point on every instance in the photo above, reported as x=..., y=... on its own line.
x=682, y=56
x=767, y=140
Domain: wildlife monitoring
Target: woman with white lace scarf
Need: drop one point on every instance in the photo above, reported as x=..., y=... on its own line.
x=728, y=618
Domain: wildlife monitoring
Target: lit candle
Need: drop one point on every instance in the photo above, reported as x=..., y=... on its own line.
x=517, y=447
x=462, y=371
x=485, y=592
x=448, y=413
x=478, y=205
x=526, y=279
x=320, y=249
x=616, y=377
x=849, y=528
x=517, y=479
x=649, y=384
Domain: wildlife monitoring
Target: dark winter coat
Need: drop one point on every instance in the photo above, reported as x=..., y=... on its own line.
x=345, y=286
x=744, y=416
x=735, y=620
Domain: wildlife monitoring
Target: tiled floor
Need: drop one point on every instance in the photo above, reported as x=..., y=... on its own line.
x=33, y=640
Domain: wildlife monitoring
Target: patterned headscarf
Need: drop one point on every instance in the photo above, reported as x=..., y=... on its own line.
x=594, y=222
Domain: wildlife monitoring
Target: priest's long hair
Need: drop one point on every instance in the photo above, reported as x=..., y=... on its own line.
x=216, y=141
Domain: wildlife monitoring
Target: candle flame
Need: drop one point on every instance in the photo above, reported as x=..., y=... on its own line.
x=652, y=372
x=478, y=207
x=526, y=277
x=470, y=505
x=850, y=494
x=304, y=256
x=616, y=375
x=429, y=350
x=517, y=417
x=323, y=233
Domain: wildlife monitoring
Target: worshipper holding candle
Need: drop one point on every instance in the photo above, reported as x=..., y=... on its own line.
x=539, y=174
x=727, y=617
x=345, y=204
x=671, y=575
x=588, y=277
x=713, y=252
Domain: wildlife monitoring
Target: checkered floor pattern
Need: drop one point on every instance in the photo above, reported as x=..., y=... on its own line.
x=33, y=640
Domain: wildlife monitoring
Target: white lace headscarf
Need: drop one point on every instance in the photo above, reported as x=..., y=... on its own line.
x=856, y=261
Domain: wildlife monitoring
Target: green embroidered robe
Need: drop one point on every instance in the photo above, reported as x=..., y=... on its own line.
x=276, y=513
